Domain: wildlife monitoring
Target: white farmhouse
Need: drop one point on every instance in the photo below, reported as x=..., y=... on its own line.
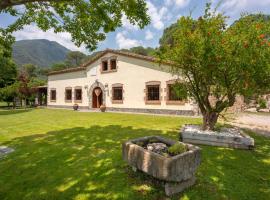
x=121, y=81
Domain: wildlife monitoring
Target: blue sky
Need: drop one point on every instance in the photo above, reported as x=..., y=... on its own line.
x=162, y=13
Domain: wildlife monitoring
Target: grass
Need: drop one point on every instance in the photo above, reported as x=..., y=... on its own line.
x=62, y=154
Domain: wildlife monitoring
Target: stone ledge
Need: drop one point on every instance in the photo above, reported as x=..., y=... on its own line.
x=192, y=134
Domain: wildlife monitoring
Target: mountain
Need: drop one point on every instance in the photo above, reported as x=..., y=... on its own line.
x=39, y=52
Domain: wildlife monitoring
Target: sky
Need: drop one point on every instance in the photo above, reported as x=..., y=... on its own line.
x=162, y=13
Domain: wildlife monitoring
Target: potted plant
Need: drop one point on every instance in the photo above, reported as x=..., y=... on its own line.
x=102, y=108
x=75, y=107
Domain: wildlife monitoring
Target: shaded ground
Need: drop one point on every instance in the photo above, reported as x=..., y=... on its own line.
x=62, y=154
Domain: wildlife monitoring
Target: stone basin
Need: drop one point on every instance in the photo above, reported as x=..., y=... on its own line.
x=178, y=171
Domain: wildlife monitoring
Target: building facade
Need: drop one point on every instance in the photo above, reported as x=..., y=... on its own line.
x=122, y=82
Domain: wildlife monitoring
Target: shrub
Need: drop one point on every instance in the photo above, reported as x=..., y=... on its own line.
x=177, y=148
x=262, y=103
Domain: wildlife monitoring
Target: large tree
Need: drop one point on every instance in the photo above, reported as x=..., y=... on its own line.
x=86, y=20
x=8, y=71
x=74, y=58
x=218, y=62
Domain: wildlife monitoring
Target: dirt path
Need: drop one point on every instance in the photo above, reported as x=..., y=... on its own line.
x=259, y=123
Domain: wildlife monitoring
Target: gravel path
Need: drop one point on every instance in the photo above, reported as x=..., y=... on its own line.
x=257, y=122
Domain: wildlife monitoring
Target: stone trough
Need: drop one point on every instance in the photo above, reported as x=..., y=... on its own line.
x=177, y=172
x=226, y=137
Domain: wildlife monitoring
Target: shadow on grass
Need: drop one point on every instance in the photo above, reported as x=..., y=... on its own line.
x=86, y=163
x=10, y=111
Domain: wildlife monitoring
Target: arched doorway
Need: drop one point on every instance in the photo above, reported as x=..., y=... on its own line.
x=93, y=100
x=97, y=97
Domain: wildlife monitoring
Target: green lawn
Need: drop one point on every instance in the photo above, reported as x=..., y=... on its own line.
x=63, y=154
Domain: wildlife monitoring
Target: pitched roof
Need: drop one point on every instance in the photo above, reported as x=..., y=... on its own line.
x=102, y=53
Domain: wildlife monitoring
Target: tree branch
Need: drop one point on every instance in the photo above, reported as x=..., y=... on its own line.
x=9, y=3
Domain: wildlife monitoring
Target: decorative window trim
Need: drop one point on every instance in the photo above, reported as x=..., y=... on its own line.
x=118, y=85
x=78, y=88
x=53, y=89
x=152, y=102
x=68, y=100
x=167, y=90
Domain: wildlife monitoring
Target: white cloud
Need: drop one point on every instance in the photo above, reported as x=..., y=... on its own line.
x=149, y=35
x=232, y=7
x=33, y=32
x=156, y=15
x=177, y=3
x=125, y=43
x=127, y=24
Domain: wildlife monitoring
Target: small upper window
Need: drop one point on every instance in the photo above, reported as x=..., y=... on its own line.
x=78, y=94
x=105, y=65
x=113, y=64
x=68, y=94
x=53, y=95
x=153, y=93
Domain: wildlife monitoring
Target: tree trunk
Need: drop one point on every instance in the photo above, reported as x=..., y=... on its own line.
x=209, y=120
x=14, y=103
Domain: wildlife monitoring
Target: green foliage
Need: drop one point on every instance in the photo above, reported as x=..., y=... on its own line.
x=180, y=90
x=148, y=51
x=74, y=58
x=42, y=53
x=167, y=37
x=9, y=93
x=58, y=66
x=219, y=62
x=30, y=70
x=8, y=71
x=262, y=103
x=177, y=149
x=87, y=21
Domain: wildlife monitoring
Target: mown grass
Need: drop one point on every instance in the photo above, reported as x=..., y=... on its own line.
x=63, y=154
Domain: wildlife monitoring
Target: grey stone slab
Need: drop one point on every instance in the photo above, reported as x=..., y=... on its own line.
x=238, y=140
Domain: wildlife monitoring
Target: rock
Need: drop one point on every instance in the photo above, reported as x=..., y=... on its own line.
x=4, y=150
x=157, y=147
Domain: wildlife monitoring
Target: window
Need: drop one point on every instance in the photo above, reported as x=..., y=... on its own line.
x=113, y=64
x=68, y=94
x=105, y=65
x=153, y=92
x=78, y=94
x=117, y=93
x=53, y=95
x=108, y=64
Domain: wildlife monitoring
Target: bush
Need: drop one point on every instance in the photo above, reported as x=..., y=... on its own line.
x=262, y=103
x=177, y=148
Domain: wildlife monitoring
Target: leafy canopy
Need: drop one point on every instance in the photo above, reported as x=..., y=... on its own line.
x=8, y=71
x=219, y=62
x=86, y=20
